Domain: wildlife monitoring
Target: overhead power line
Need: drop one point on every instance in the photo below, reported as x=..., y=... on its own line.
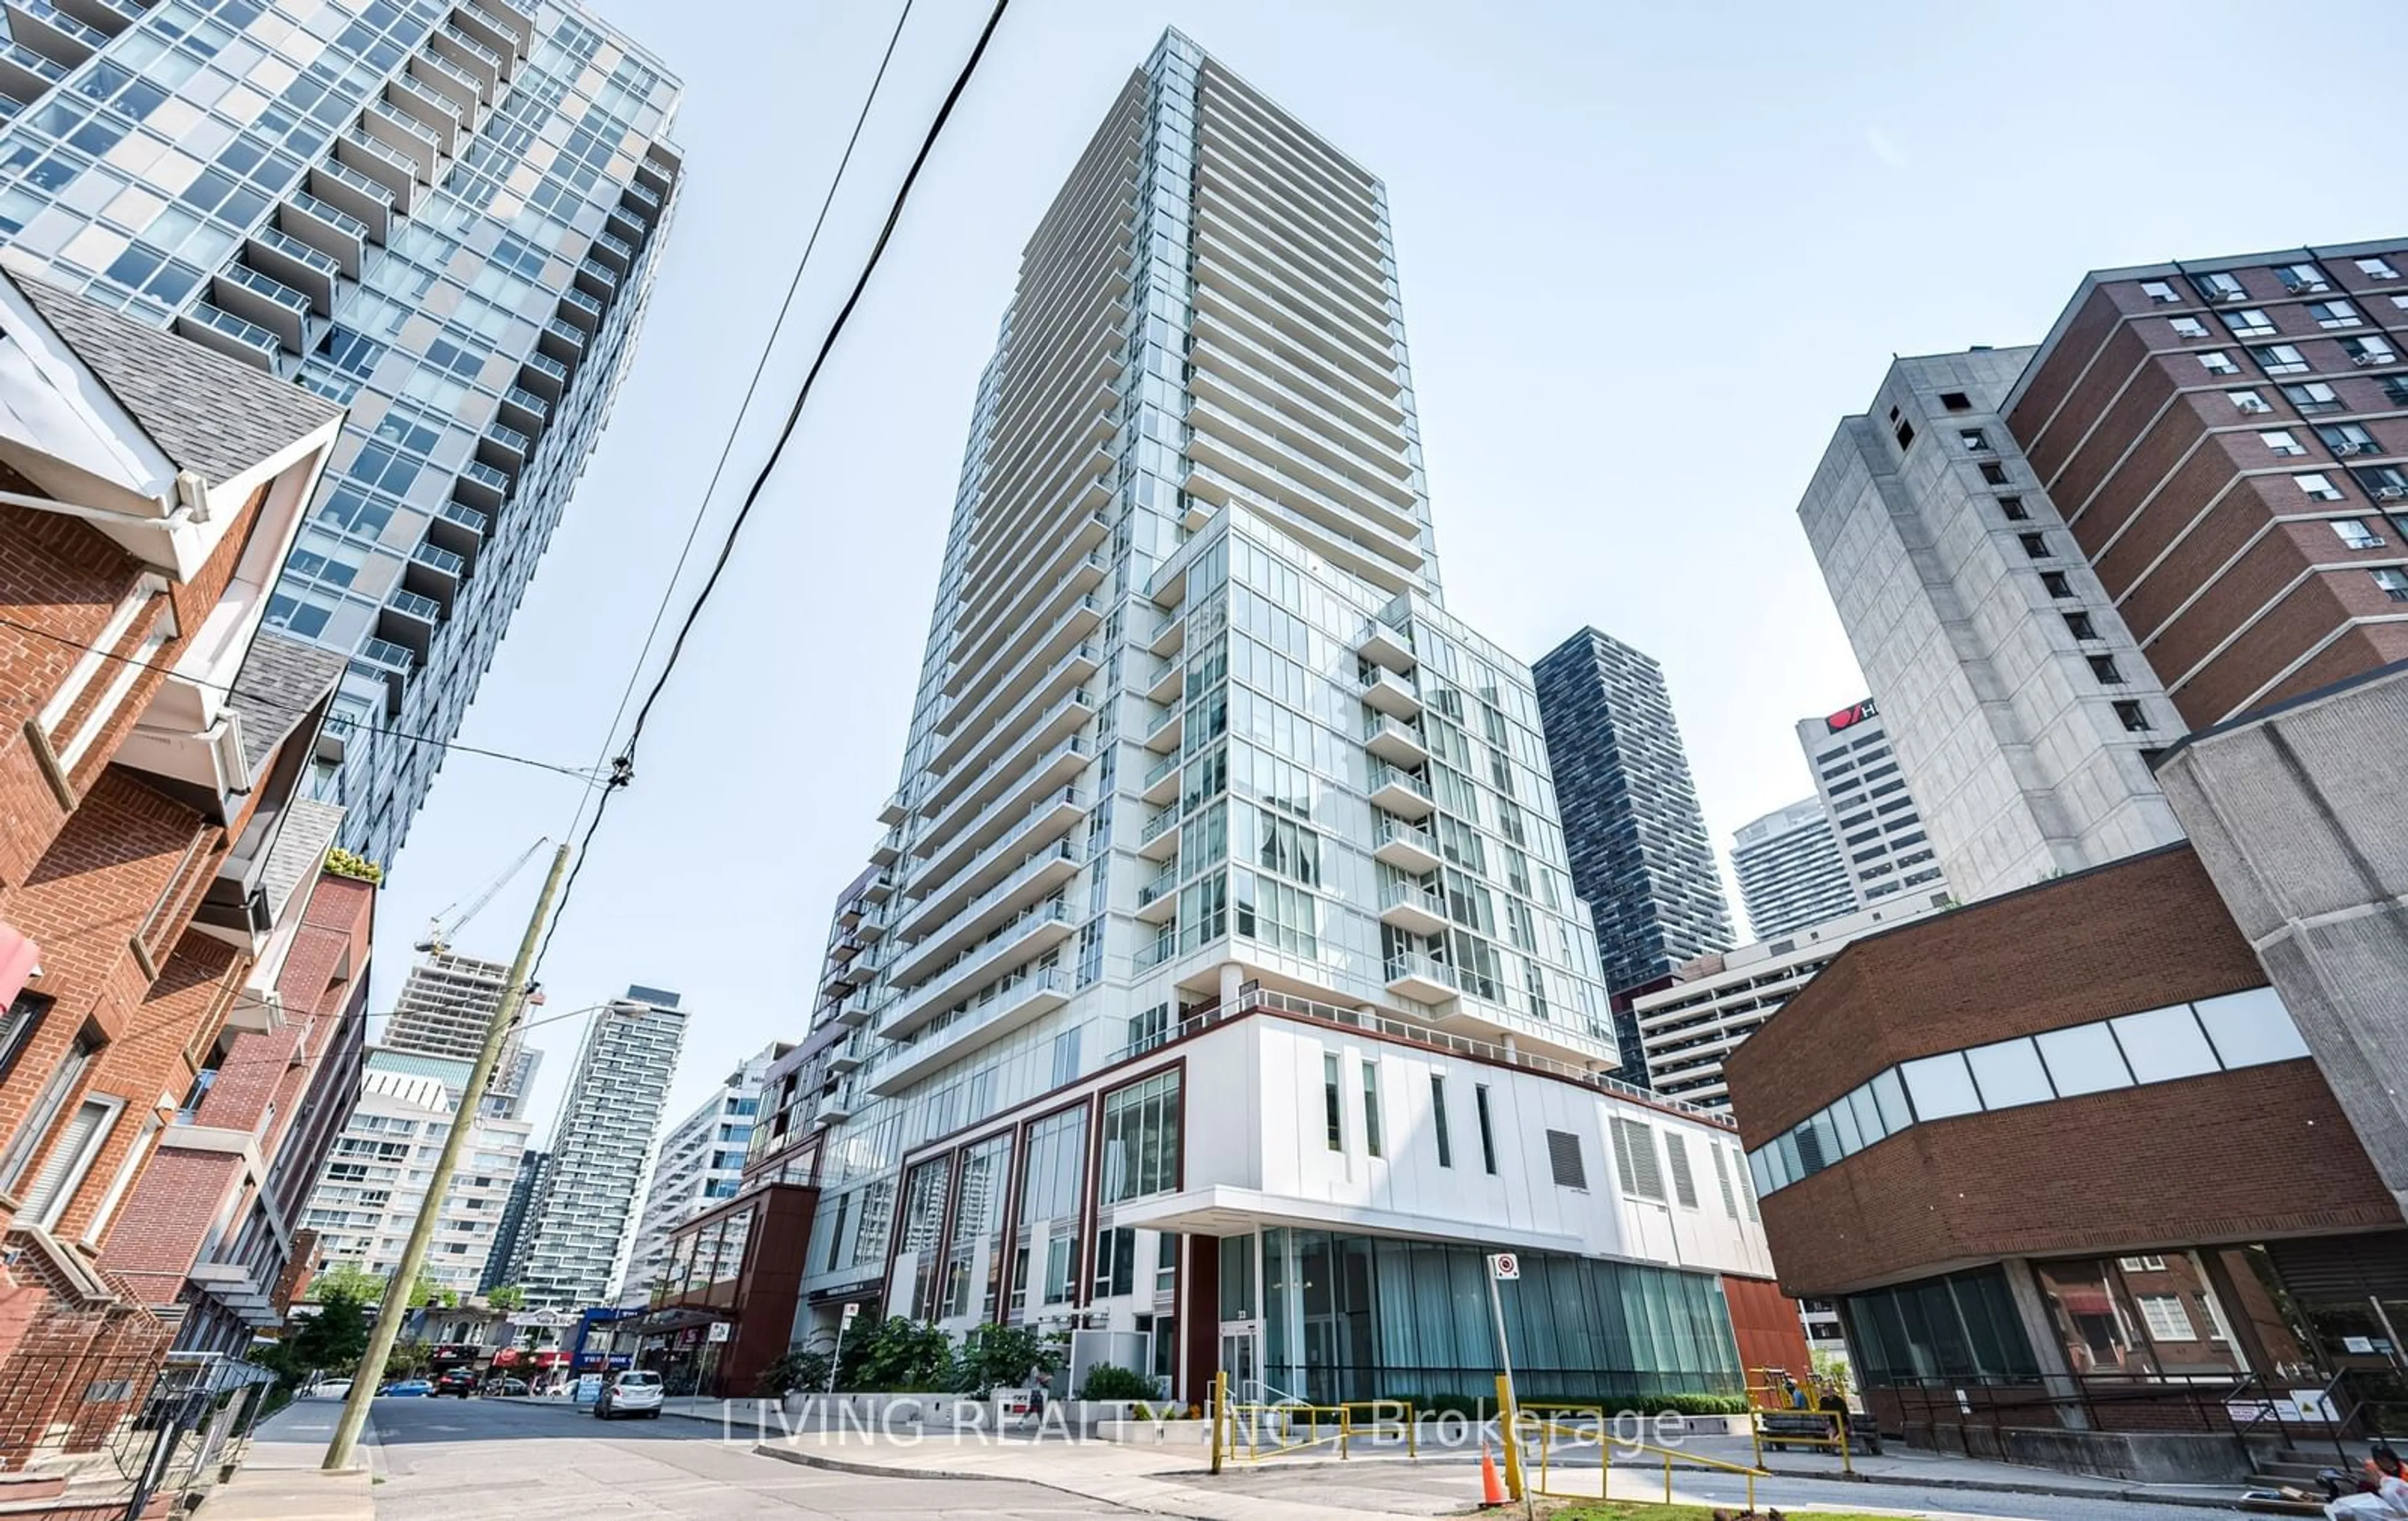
x=624, y=765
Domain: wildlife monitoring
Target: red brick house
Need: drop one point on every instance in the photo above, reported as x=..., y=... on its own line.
x=149, y=752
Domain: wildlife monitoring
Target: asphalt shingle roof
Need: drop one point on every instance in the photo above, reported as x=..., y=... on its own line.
x=214, y=416
x=282, y=679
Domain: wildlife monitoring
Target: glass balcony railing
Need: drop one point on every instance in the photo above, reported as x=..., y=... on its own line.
x=527, y=401
x=387, y=655
x=267, y=289
x=436, y=557
x=419, y=607
x=467, y=517
x=551, y=368
x=642, y=196
x=486, y=476
x=351, y=179
x=580, y=301
x=332, y=215
x=510, y=439
x=568, y=333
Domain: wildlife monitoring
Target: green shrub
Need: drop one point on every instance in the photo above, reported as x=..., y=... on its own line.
x=1007, y=1356
x=1109, y=1381
x=798, y=1371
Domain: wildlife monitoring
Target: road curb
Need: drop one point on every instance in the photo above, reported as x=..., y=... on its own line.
x=884, y=1471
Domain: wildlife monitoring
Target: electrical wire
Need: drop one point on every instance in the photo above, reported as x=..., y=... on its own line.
x=624, y=765
x=586, y=774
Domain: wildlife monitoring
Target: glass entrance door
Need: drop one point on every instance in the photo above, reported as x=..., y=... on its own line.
x=1241, y=1358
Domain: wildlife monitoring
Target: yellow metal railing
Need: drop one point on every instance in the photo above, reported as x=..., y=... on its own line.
x=1239, y=1429
x=1551, y=1425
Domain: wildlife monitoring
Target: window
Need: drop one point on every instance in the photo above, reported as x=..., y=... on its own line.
x=2055, y=583
x=2035, y=545
x=72, y=1153
x=1994, y=473
x=17, y=1027
x=2247, y=401
x=2279, y=359
x=2013, y=508
x=1956, y=401
x=2080, y=626
x=1905, y=433
x=1564, y=1160
x=2347, y=439
x=2368, y=350
x=2301, y=278
x=1371, y=1106
x=2394, y=583
x=1065, y=1056
x=2280, y=442
x=2248, y=322
x=1166, y=1271
x=1141, y=1152
x=2216, y=362
x=1974, y=440
x=2130, y=715
x=2188, y=327
x=1333, y=1118
x=1941, y=1085
x=2311, y=396
x=45, y=1110
x=2008, y=1072
x=2167, y=1321
x=2159, y=291
x=2250, y=1028
x=1438, y=1118
x=2142, y=1263
x=2318, y=488
x=2329, y=314
x=2354, y=533
x=2221, y=287
x=2377, y=270
x=1489, y=1133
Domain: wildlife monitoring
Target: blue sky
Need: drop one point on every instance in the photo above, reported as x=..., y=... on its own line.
x=1649, y=254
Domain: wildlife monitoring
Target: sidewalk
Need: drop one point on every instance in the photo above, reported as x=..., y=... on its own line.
x=280, y=1479
x=1923, y=1470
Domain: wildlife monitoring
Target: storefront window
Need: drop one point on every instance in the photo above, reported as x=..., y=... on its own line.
x=1960, y=1327
x=2154, y=1315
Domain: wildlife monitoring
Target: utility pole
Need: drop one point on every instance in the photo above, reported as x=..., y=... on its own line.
x=421, y=1235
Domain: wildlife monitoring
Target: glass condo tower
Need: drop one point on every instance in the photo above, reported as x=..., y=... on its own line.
x=445, y=214
x=1196, y=743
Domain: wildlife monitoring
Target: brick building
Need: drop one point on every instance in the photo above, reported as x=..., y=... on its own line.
x=2064, y=1151
x=2228, y=441
x=148, y=493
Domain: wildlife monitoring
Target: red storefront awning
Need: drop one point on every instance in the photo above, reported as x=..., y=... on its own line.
x=19, y=958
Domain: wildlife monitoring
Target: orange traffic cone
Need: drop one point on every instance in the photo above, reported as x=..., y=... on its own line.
x=1492, y=1489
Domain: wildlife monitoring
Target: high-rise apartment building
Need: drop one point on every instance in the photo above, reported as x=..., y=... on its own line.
x=375, y=1179
x=699, y=1162
x=1883, y=846
x=502, y=1263
x=1716, y=1001
x=446, y=1005
x=2224, y=439
x=1209, y=800
x=1641, y=858
x=445, y=214
x=2228, y=440
x=1790, y=870
x=2023, y=710
x=578, y=1229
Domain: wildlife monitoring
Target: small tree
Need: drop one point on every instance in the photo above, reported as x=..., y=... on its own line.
x=506, y=1296
x=328, y=1343
x=345, y=1281
x=899, y=1354
x=407, y=1359
x=1109, y=1381
x=797, y=1372
x=1006, y=1357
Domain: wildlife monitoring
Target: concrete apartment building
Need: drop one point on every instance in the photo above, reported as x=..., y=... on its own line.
x=509, y=1238
x=579, y=1221
x=151, y=746
x=699, y=1162
x=1691, y=1026
x=1884, y=845
x=375, y=1178
x=445, y=1006
x=2022, y=708
x=446, y=215
x=2229, y=439
x=2068, y=1139
x=1790, y=870
x=1640, y=857
x=1208, y=797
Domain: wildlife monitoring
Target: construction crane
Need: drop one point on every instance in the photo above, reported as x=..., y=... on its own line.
x=445, y=924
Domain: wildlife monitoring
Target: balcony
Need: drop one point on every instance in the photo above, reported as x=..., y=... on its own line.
x=544, y=375
x=266, y=301
x=854, y=1011
x=642, y=197
x=1169, y=634
x=1159, y=840
x=436, y=568
x=844, y=1059
x=955, y=923
x=1421, y=979
x=368, y=202
x=53, y=34
x=896, y=810
x=1016, y=732
x=1404, y=846
x=836, y=1108
x=324, y=228
x=879, y=888
x=841, y=978
x=1167, y=729
x=631, y=219
x=286, y=258
x=217, y=328
x=596, y=281
x=404, y=136
x=1391, y=694
x=1384, y=644
x=460, y=528
x=565, y=341
x=410, y=620
x=581, y=309
x=1162, y=779
x=1001, y=831
x=26, y=75
x=998, y=793
x=1398, y=744
x=1401, y=793
x=523, y=410
x=441, y=116
x=1012, y=1006
x=615, y=252
x=1415, y=908
x=382, y=658
x=449, y=41
x=1033, y=680
x=888, y=850
x=1014, y=944
x=482, y=484
x=396, y=172
x=466, y=89
x=1157, y=901
x=505, y=444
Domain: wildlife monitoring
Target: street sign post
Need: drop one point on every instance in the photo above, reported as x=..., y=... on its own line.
x=844, y=1322
x=1506, y=1267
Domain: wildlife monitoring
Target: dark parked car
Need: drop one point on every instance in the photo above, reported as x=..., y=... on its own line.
x=459, y=1381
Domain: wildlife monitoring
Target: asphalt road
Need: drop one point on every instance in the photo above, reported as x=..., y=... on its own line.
x=471, y=1459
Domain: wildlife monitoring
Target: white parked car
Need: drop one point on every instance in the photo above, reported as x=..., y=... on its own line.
x=634, y=1392
x=331, y=1388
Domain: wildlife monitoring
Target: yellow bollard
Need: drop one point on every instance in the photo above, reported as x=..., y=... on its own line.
x=1513, y=1436
x=1345, y=1432
x=1220, y=1413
